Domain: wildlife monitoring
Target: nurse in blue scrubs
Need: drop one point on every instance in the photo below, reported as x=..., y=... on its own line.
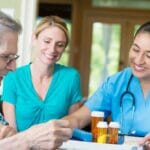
x=125, y=95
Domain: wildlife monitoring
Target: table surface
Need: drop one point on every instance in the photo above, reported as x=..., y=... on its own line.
x=131, y=143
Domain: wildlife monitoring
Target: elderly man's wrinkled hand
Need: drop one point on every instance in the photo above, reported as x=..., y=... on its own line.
x=48, y=135
x=6, y=131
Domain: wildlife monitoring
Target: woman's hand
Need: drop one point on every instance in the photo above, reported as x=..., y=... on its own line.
x=6, y=131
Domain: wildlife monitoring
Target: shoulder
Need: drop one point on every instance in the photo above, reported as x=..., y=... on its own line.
x=121, y=76
x=19, y=71
x=123, y=73
x=66, y=70
x=116, y=81
x=22, y=68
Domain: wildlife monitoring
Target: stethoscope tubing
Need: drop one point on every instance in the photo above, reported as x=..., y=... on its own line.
x=127, y=92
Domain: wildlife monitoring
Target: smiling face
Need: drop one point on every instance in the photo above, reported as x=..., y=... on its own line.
x=8, y=48
x=139, y=56
x=50, y=44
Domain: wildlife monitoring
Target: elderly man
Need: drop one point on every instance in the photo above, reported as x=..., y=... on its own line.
x=48, y=135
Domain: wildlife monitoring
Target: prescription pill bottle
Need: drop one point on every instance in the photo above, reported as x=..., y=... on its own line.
x=113, y=132
x=102, y=132
x=96, y=117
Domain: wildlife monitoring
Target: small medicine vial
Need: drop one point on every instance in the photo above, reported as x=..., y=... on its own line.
x=96, y=117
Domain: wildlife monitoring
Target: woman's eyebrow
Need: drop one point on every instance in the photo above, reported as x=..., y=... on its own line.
x=134, y=44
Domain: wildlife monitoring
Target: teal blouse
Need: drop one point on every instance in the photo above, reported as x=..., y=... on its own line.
x=63, y=92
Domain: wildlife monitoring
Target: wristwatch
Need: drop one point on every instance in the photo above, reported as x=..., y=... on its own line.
x=2, y=120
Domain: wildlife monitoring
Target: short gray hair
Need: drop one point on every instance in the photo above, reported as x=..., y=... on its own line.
x=7, y=23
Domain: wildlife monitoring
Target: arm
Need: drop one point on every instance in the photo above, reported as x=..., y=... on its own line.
x=9, y=114
x=9, y=94
x=6, y=131
x=15, y=142
x=46, y=136
x=74, y=107
x=76, y=96
x=77, y=106
x=80, y=118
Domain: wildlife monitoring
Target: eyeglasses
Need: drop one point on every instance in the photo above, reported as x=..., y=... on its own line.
x=9, y=58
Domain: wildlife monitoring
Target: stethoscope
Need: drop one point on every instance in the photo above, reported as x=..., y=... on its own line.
x=127, y=92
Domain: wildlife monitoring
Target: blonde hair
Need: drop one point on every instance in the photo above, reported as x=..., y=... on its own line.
x=52, y=21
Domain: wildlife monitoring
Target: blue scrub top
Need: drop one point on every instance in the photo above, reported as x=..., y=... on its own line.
x=107, y=98
x=63, y=92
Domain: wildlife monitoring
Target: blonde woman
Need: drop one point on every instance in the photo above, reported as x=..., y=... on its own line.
x=48, y=135
x=42, y=90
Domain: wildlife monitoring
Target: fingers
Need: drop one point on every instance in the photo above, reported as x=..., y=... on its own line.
x=66, y=133
x=145, y=139
x=48, y=142
x=53, y=143
x=61, y=123
x=46, y=146
x=61, y=128
x=11, y=132
x=6, y=131
x=49, y=135
x=145, y=142
x=146, y=145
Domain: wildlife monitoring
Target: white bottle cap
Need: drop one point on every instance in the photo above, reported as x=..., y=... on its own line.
x=114, y=125
x=102, y=124
x=97, y=114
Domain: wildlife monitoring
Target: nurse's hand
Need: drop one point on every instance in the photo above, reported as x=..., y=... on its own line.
x=48, y=135
x=145, y=142
x=6, y=131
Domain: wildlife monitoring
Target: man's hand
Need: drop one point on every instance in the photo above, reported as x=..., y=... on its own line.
x=6, y=131
x=48, y=135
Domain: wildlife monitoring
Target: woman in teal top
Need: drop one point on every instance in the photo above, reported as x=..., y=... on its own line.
x=42, y=90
